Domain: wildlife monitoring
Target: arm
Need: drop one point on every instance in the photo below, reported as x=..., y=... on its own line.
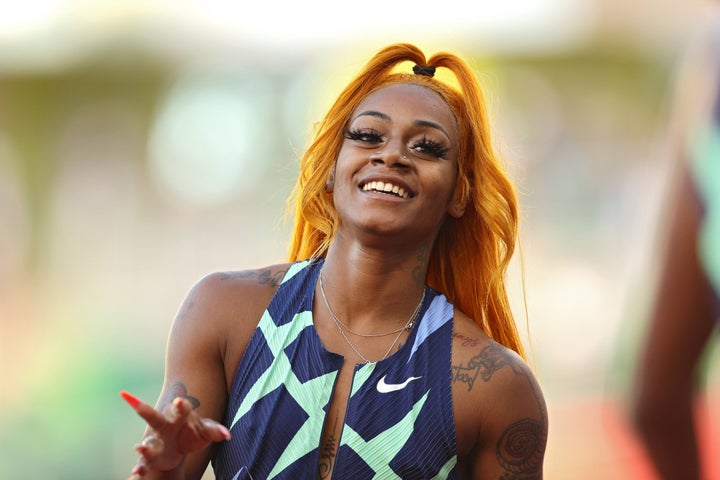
x=681, y=322
x=205, y=345
x=501, y=416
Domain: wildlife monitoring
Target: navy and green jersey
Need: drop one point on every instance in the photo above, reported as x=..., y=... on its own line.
x=399, y=420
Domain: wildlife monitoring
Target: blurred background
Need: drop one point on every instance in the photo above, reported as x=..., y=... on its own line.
x=146, y=144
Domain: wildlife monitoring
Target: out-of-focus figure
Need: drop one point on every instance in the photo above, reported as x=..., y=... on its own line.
x=686, y=306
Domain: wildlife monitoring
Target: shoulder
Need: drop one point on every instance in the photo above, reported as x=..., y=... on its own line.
x=239, y=287
x=481, y=362
x=221, y=301
x=497, y=400
x=220, y=313
x=268, y=277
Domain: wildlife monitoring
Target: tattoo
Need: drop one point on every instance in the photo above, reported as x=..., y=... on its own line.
x=264, y=277
x=423, y=257
x=521, y=449
x=268, y=277
x=231, y=275
x=486, y=363
x=187, y=306
x=175, y=390
x=327, y=454
x=467, y=341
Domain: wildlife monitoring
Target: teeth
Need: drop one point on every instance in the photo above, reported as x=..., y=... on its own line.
x=386, y=188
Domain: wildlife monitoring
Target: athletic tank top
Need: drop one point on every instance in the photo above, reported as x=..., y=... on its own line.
x=399, y=420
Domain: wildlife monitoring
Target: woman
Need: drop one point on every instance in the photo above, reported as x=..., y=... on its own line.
x=349, y=362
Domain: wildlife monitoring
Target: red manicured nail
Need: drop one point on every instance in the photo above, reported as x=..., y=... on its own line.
x=130, y=399
x=138, y=470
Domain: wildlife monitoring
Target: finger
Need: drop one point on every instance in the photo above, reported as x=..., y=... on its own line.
x=139, y=470
x=154, y=418
x=150, y=447
x=179, y=410
x=213, y=431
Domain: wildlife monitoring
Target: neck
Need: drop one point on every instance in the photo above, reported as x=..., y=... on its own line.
x=373, y=290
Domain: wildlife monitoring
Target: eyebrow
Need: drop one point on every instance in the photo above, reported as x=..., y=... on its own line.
x=417, y=123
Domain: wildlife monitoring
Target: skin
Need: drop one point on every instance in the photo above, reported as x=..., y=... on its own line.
x=683, y=315
x=682, y=322
x=374, y=275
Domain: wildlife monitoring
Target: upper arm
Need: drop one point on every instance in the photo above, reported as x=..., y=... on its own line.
x=507, y=410
x=194, y=359
x=206, y=342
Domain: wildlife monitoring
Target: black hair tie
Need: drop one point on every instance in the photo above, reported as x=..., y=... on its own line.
x=426, y=70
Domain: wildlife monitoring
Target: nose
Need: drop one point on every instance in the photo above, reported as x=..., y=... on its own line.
x=392, y=157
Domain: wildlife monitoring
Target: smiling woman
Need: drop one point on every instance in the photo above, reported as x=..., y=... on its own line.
x=386, y=346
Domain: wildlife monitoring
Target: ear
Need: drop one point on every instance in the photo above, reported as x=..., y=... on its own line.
x=330, y=184
x=456, y=209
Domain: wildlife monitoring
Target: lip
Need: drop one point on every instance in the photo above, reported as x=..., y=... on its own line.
x=396, y=182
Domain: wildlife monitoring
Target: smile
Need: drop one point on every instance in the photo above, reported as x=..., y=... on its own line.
x=388, y=188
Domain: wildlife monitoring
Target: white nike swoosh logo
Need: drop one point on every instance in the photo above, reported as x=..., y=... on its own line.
x=383, y=387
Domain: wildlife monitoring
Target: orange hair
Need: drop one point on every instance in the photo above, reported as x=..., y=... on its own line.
x=471, y=254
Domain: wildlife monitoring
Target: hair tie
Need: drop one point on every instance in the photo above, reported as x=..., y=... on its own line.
x=426, y=70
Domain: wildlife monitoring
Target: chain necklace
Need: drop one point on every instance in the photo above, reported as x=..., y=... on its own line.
x=338, y=323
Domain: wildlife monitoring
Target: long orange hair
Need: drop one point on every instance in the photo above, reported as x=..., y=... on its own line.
x=471, y=254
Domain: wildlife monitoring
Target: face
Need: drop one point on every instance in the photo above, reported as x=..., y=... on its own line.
x=397, y=166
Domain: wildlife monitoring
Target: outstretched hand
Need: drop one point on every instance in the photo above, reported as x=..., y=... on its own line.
x=172, y=434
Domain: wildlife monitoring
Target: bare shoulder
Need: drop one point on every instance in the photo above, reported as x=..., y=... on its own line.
x=224, y=308
x=236, y=293
x=501, y=416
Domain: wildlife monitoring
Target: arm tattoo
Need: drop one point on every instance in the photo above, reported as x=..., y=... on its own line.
x=521, y=447
x=175, y=390
x=264, y=277
x=327, y=454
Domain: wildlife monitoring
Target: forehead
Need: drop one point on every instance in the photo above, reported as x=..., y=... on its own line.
x=410, y=99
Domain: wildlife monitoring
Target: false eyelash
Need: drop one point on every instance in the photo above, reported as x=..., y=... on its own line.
x=364, y=135
x=436, y=149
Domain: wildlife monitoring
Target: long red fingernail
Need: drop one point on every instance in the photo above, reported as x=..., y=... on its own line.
x=138, y=470
x=130, y=399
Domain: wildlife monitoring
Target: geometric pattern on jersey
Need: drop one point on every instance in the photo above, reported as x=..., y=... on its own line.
x=283, y=386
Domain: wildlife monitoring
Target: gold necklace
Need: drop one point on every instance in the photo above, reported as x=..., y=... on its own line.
x=338, y=323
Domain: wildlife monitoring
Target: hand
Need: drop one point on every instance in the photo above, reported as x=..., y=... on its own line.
x=172, y=434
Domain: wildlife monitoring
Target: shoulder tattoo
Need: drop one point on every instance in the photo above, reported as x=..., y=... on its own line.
x=490, y=359
x=264, y=277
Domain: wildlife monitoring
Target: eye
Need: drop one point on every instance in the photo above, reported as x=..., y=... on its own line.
x=426, y=146
x=364, y=135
